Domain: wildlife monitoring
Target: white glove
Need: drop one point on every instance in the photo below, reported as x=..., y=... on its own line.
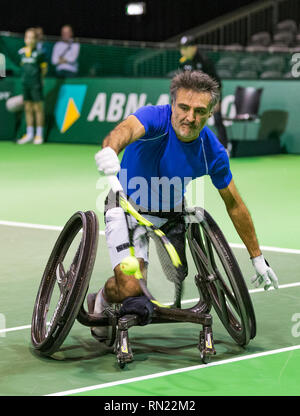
x=264, y=273
x=107, y=161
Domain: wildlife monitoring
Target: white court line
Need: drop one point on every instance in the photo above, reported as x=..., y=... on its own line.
x=29, y=225
x=269, y=248
x=58, y=228
x=250, y=291
x=19, y=328
x=180, y=370
x=36, y=226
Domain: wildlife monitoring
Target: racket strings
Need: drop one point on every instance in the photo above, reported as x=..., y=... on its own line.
x=171, y=272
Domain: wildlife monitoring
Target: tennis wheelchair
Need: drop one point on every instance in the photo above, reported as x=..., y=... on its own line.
x=218, y=282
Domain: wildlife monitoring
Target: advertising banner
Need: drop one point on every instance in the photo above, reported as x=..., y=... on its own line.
x=85, y=110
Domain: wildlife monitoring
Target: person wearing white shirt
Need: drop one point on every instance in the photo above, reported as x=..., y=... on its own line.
x=65, y=54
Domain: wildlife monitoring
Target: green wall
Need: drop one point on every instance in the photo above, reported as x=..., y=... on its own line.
x=96, y=105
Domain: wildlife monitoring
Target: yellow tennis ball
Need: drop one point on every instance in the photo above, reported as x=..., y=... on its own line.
x=129, y=265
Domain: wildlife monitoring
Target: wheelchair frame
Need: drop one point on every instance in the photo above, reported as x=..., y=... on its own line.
x=203, y=235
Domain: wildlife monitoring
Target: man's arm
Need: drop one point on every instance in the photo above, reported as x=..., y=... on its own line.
x=242, y=221
x=72, y=54
x=124, y=133
x=55, y=53
x=241, y=218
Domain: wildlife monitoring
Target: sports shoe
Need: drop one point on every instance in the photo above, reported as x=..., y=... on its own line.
x=25, y=139
x=38, y=140
x=96, y=305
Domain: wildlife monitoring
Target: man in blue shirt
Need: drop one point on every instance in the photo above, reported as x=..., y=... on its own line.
x=169, y=142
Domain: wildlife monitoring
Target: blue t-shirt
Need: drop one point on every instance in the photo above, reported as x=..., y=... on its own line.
x=156, y=169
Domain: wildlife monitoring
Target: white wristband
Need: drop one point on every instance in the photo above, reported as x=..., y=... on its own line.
x=114, y=183
x=259, y=264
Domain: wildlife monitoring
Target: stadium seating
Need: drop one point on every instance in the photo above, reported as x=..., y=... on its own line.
x=225, y=74
x=281, y=48
x=284, y=38
x=251, y=63
x=234, y=47
x=274, y=63
x=288, y=75
x=228, y=63
x=287, y=25
x=259, y=42
x=247, y=74
x=256, y=48
x=247, y=103
x=271, y=75
x=260, y=38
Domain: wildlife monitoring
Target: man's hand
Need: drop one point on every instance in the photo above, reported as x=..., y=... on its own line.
x=264, y=273
x=107, y=161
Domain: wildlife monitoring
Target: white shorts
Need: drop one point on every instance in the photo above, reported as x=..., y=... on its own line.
x=117, y=238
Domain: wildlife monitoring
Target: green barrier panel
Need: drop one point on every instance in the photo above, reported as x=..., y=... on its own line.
x=102, y=60
x=84, y=110
x=7, y=120
x=97, y=60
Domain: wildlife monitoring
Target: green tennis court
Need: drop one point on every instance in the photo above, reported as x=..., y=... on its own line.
x=42, y=186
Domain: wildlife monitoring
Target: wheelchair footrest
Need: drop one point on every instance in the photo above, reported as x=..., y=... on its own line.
x=123, y=349
x=122, y=346
x=206, y=344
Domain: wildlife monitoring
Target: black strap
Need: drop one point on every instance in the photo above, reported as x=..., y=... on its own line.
x=138, y=305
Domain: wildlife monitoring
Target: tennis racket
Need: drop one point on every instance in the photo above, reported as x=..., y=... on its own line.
x=166, y=252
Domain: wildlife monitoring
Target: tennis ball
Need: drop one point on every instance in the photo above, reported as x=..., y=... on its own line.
x=129, y=265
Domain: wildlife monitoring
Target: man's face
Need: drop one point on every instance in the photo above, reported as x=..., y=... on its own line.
x=190, y=113
x=188, y=51
x=30, y=38
x=66, y=33
x=39, y=33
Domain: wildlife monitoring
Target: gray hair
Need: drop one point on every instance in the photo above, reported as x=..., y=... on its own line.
x=196, y=81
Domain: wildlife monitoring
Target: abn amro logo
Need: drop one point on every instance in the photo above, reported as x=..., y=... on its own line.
x=69, y=105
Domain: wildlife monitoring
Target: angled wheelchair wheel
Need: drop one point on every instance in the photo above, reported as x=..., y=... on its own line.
x=65, y=282
x=221, y=277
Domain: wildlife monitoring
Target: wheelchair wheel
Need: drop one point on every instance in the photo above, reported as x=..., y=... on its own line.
x=65, y=282
x=221, y=277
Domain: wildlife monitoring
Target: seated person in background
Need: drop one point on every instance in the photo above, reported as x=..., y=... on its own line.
x=34, y=68
x=192, y=59
x=41, y=45
x=40, y=38
x=65, y=54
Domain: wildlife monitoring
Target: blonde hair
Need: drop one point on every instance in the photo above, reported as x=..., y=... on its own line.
x=31, y=29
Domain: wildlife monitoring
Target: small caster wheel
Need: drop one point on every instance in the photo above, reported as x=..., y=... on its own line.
x=206, y=345
x=121, y=364
x=205, y=358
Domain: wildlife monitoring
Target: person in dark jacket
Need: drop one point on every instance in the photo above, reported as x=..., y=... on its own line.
x=192, y=59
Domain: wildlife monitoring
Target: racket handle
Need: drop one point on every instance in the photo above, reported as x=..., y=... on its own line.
x=114, y=183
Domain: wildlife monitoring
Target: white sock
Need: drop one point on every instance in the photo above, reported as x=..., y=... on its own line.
x=30, y=131
x=100, y=302
x=39, y=131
